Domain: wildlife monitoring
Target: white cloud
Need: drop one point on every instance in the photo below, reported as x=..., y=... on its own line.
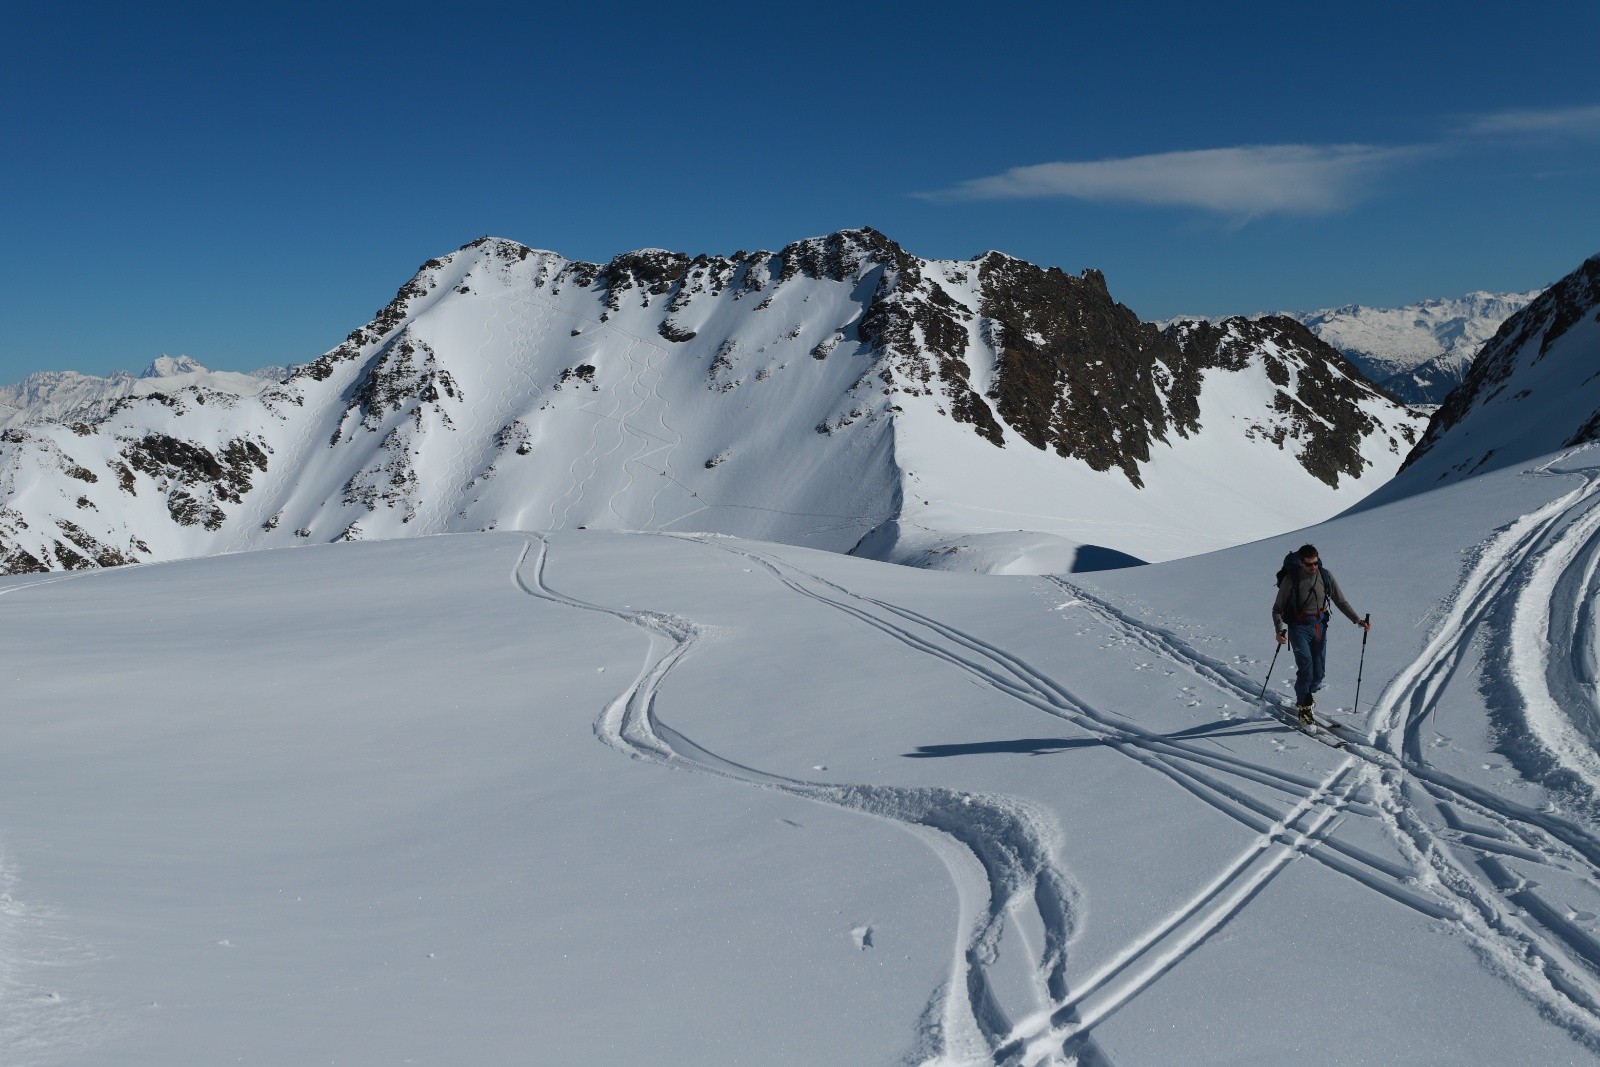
x=1243, y=182
x=1559, y=121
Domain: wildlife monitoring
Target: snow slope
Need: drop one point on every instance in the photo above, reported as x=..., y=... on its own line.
x=586, y=796
x=983, y=415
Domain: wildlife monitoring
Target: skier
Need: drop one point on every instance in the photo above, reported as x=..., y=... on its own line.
x=1300, y=616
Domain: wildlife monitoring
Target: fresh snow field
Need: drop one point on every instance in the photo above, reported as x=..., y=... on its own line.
x=600, y=797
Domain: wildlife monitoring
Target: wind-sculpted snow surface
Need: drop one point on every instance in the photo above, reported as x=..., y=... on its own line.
x=839, y=394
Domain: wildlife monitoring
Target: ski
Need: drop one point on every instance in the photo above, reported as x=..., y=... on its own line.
x=1341, y=729
x=1290, y=717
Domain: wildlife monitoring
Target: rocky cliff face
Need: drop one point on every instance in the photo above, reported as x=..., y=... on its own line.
x=840, y=393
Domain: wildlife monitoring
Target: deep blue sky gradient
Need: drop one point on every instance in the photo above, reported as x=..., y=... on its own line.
x=248, y=185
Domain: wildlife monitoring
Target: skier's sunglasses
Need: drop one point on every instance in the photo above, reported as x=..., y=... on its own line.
x=1311, y=563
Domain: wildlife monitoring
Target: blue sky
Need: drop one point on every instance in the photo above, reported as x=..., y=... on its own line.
x=248, y=185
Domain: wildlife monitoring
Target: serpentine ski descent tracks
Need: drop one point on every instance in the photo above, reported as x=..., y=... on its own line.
x=1000, y=851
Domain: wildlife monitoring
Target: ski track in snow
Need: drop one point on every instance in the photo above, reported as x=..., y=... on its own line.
x=1063, y=1027
x=1520, y=935
x=1000, y=851
x=500, y=402
x=1461, y=844
x=1516, y=931
x=523, y=392
x=1540, y=571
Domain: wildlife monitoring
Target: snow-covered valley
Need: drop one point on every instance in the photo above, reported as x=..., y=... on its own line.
x=594, y=796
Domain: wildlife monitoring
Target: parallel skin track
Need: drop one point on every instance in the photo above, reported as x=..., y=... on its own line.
x=1465, y=865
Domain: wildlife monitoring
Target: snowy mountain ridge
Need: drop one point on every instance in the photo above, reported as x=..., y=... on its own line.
x=1533, y=389
x=68, y=396
x=1421, y=351
x=912, y=817
x=986, y=415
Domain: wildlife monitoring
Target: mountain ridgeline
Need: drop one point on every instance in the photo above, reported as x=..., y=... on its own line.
x=1533, y=389
x=984, y=414
x=1419, y=352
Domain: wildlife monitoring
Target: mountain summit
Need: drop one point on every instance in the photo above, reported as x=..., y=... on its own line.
x=983, y=414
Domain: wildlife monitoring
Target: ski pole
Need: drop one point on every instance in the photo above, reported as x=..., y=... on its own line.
x=1274, y=663
x=1366, y=628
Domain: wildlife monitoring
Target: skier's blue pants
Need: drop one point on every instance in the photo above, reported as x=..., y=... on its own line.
x=1309, y=643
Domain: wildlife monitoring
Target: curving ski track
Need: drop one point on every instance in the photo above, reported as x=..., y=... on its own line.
x=1000, y=851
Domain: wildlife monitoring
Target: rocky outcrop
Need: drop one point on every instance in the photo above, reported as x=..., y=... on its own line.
x=1077, y=372
x=1321, y=405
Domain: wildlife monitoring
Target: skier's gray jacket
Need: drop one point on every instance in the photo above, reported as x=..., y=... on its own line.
x=1303, y=597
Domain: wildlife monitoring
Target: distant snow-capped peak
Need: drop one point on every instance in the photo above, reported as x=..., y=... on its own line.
x=1421, y=351
x=1532, y=390
x=170, y=366
x=71, y=397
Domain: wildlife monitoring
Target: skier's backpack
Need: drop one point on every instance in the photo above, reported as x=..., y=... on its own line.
x=1291, y=563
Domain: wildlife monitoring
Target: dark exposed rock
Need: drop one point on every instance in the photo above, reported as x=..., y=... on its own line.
x=80, y=551
x=652, y=272
x=1079, y=373
x=390, y=478
x=197, y=481
x=514, y=438
x=839, y=256
x=1320, y=393
x=912, y=321
x=406, y=373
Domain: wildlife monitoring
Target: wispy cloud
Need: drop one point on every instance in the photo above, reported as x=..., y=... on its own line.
x=1244, y=182
x=1555, y=121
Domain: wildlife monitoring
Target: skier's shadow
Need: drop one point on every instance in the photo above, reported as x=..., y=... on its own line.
x=1039, y=746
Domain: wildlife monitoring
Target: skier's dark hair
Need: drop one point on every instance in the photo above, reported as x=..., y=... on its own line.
x=1308, y=552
